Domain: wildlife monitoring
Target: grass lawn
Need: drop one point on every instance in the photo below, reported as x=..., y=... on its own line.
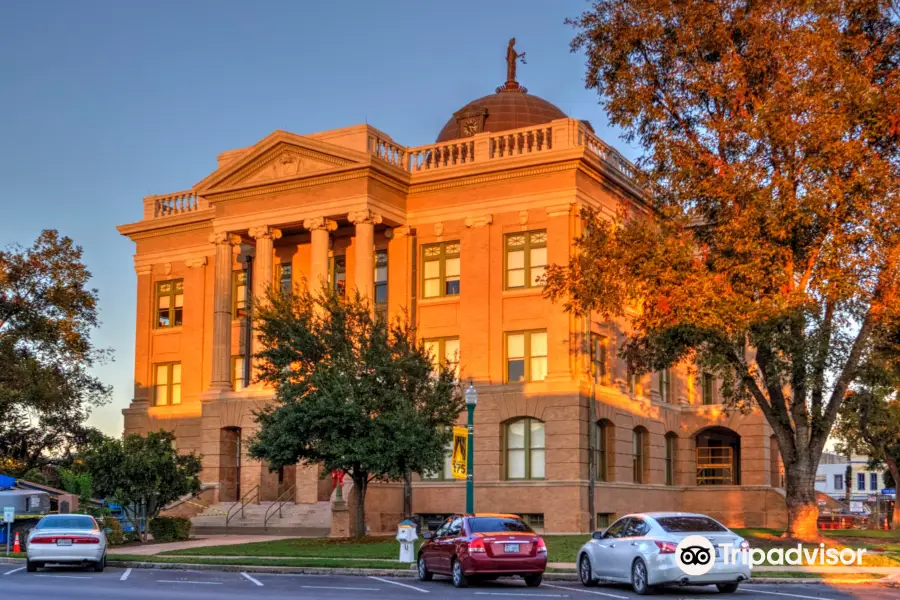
x=834, y=578
x=262, y=562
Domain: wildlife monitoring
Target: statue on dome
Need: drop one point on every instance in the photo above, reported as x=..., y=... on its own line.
x=511, y=58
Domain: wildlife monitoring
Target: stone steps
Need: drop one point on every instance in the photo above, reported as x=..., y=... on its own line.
x=296, y=519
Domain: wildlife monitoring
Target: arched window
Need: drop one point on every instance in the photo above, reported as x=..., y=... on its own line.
x=639, y=438
x=718, y=456
x=604, y=440
x=671, y=447
x=525, y=449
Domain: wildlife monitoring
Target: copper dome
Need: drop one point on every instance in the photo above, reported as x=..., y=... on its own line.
x=502, y=111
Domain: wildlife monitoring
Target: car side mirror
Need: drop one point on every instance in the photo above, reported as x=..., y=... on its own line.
x=598, y=535
x=427, y=536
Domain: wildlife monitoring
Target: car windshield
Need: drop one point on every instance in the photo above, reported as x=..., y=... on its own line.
x=498, y=525
x=67, y=522
x=688, y=524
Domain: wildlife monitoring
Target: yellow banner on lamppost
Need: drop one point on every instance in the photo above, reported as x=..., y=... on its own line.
x=460, y=452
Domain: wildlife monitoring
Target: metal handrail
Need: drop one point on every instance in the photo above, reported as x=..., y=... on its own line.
x=279, y=502
x=229, y=516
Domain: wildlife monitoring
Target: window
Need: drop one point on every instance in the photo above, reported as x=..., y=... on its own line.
x=169, y=303
x=284, y=277
x=237, y=372
x=636, y=528
x=860, y=481
x=708, y=388
x=526, y=259
x=445, y=350
x=337, y=274
x=671, y=440
x=617, y=529
x=838, y=482
x=601, y=456
x=446, y=473
x=599, y=359
x=526, y=356
x=525, y=449
x=603, y=520
x=687, y=524
x=632, y=379
x=167, y=384
x=381, y=280
x=239, y=294
x=873, y=481
x=535, y=521
x=504, y=524
x=440, y=270
x=638, y=437
x=665, y=386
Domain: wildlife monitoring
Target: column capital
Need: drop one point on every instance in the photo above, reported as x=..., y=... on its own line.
x=223, y=238
x=319, y=223
x=559, y=210
x=403, y=231
x=196, y=263
x=364, y=216
x=143, y=269
x=265, y=232
x=479, y=220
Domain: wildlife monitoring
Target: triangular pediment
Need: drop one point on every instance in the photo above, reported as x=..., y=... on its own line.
x=280, y=156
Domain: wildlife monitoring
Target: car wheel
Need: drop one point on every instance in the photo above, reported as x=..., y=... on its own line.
x=424, y=573
x=30, y=567
x=98, y=567
x=586, y=572
x=639, y=579
x=534, y=580
x=459, y=578
x=727, y=588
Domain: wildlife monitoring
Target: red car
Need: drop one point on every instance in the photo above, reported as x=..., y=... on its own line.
x=483, y=546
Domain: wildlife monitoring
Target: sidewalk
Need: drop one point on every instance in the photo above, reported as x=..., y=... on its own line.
x=200, y=542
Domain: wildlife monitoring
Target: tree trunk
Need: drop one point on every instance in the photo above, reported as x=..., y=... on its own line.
x=407, y=496
x=894, y=468
x=800, y=497
x=360, y=481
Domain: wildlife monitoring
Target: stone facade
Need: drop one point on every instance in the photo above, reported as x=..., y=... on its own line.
x=321, y=205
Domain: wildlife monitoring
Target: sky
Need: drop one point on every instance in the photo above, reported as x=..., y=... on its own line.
x=103, y=103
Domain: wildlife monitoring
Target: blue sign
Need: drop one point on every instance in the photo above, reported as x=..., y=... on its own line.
x=889, y=492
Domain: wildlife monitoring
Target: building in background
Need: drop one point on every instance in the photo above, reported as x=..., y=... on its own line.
x=866, y=486
x=458, y=233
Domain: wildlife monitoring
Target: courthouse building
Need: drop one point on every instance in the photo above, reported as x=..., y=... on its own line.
x=457, y=233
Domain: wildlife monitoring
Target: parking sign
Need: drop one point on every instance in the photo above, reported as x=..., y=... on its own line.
x=9, y=514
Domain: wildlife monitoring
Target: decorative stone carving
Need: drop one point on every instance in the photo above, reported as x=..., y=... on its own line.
x=319, y=223
x=389, y=233
x=196, y=263
x=224, y=237
x=479, y=221
x=265, y=232
x=523, y=217
x=439, y=229
x=167, y=269
x=364, y=216
x=404, y=231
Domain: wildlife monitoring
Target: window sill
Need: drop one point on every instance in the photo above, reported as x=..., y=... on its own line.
x=167, y=330
x=439, y=300
x=520, y=292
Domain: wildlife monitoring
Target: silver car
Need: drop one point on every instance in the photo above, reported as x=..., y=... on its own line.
x=66, y=539
x=641, y=549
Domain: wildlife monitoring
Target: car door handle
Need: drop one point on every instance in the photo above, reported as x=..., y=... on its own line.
x=634, y=543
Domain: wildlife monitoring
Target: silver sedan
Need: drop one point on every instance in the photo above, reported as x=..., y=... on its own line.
x=66, y=539
x=645, y=550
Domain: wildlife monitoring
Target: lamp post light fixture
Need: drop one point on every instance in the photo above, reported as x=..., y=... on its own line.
x=471, y=401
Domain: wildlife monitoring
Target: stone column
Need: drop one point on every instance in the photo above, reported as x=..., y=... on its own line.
x=563, y=334
x=221, y=363
x=265, y=237
x=319, y=228
x=365, y=221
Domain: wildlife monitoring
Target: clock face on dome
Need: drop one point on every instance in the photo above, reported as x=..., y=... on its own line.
x=470, y=127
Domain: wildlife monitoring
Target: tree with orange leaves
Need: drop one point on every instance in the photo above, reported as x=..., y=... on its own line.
x=772, y=169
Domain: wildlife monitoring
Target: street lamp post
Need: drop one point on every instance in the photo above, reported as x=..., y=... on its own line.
x=471, y=401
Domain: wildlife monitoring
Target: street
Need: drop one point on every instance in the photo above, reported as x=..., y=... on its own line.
x=153, y=584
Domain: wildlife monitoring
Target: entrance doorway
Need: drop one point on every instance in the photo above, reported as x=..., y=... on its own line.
x=230, y=464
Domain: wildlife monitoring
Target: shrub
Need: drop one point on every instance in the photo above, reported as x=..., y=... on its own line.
x=116, y=535
x=170, y=529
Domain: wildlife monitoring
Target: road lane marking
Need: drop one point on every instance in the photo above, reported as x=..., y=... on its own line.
x=559, y=587
x=406, y=585
x=334, y=587
x=14, y=571
x=254, y=580
x=788, y=595
x=520, y=594
x=66, y=576
x=125, y=574
x=195, y=582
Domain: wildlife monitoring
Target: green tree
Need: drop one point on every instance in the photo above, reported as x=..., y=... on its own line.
x=47, y=314
x=766, y=246
x=79, y=484
x=351, y=392
x=142, y=471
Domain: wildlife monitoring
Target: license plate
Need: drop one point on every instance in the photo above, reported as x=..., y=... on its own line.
x=63, y=542
x=511, y=548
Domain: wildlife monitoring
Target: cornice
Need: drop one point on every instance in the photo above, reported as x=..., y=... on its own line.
x=205, y=224
x=139, y=228
x=504, y=175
